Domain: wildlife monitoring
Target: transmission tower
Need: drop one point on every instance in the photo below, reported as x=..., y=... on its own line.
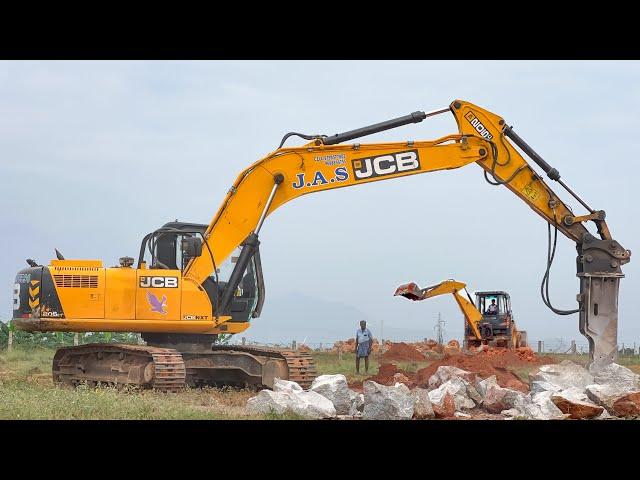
x=440, y=330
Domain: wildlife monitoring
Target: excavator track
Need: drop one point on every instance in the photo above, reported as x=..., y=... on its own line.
x=302, y=367
x=168, y=370
x=258, y=366
x=162, y=369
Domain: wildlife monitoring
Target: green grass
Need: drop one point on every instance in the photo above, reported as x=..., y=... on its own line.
x=23, y=363
x=329, y=363
x=27, y=392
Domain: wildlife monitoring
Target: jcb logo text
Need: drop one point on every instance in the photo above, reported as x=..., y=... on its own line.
x=364, y=168
x=159, y=282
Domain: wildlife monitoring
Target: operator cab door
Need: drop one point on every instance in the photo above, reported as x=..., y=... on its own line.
x=159, y=290
x=246, y=299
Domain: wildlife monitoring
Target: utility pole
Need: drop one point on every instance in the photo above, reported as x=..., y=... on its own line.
x=439, y=329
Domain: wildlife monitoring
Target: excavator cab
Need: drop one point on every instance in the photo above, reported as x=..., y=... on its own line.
x=497, y=318
x=165, y=248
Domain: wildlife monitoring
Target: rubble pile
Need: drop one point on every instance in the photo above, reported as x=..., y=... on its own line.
x=349, y=346
x=428, y=348
x=503, y=356
x=558, y=391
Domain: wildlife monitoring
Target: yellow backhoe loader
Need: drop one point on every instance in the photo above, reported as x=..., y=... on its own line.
x=192, y=282
x=489, y=322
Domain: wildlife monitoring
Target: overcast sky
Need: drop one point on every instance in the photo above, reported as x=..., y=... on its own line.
x=94, y=155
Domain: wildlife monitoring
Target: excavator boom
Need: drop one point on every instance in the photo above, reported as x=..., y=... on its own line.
x=484, y=138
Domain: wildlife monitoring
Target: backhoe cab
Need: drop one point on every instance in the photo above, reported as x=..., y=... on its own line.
x=497, y=324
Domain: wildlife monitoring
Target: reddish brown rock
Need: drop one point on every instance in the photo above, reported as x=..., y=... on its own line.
x=447, y=409
x=576, y=409
x=497, y=399
x=627, y=406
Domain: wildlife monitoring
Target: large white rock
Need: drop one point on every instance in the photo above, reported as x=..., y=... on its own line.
x=540, y=407
x=268, y=401
x=422, y=409
x=336, y=389
x=617, y=376
x=386, y=403
x=481, y=385
x=540, y=386
x=536, y=407
x=457, y=387
x=511, y=412
x=402, y=387
x=306, y=404
x=473, y=394
x=576, y=394
x=280, y=385
x=313, y=405
x=445, y=373
x=357, y=404
x=497, y=399
x=565, y=375
x=605, y=395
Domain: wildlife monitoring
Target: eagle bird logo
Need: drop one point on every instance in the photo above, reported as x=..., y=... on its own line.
x=157, y=305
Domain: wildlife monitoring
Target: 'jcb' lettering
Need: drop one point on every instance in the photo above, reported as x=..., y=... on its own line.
x=159, y=282
x=364, y=168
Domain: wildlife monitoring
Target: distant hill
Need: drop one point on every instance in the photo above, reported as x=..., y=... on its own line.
x=296, y=316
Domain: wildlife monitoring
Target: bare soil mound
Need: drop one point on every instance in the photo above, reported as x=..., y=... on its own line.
x=493, y=361
x=402, y=352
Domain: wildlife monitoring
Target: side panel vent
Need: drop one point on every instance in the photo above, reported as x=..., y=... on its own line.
x=76, y=281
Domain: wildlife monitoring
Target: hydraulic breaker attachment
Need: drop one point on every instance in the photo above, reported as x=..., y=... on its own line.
x=598, y=265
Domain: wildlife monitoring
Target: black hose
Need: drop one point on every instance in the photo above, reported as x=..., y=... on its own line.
x=544, y=286
x=301, y=135
x=494, y=150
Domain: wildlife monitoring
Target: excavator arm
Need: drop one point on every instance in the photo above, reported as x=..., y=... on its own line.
x=471, y=314
x=483, y=138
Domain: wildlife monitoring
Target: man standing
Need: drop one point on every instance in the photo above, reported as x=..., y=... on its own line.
x=364, y=344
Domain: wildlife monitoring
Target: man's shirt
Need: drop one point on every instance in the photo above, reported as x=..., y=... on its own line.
x=492, y=309
x=363, y=336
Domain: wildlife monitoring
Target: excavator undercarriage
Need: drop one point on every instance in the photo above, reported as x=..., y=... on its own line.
x=170, y=370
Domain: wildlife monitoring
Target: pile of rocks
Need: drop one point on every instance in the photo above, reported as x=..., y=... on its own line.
x=328, y=397
x=565, y=390
x=611, y=391
x=428, y=347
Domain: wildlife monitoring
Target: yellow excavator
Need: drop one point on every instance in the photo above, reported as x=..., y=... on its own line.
x=489, y=322
x=192, y=282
